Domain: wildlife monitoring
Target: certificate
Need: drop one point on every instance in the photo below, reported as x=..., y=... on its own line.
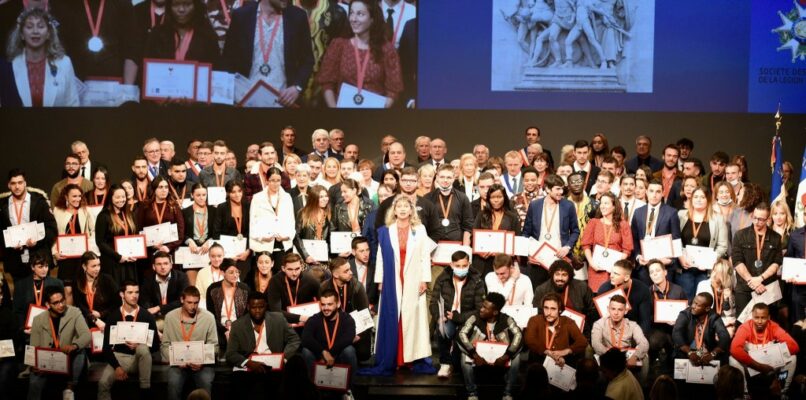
x=606, y=258
x=72, y=246
x=306, y=310
x=666, y=311
x=445, y=249
x=6, y=348
x=769, y=354
x=577, y=317
x=489, y=241
x=348, y=98
x=273, y=360
x=132, y=332
x=33, y=311
x=335, y=378
x=491, y=351
x=203, y=77
x=317, y=249
x=216, y=195
x=341, y=242
x=96, y=340
x=189, y=260
x=771, y=295
x=181, y=353
x=546, y=254
x=602, y=301
x=525, y=246
x=262, y=227
x=261, y=95
x=794, y=269
x=520, y=313
x=509, y=247
x=169, y=79
x=702, y=258
x=222, y=88
x=233, y=246
x=561, y=377
x=18, y=235
x=702, y=375
x=52, y=361
x=165, y=232
x=29, y=358
x=363, y=320
x=131, y=246
x=657, y=247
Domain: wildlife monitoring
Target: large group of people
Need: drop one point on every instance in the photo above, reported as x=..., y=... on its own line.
x=597, y=274
x=334, y=53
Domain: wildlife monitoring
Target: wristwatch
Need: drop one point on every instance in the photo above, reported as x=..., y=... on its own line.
x=299, y=89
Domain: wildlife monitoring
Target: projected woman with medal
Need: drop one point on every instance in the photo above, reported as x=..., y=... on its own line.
x=185, y=35
x=362, y=71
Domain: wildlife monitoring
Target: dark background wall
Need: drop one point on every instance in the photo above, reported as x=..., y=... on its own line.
x=38, y=140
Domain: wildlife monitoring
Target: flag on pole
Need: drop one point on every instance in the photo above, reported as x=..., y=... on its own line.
x=777, y=164
x=800, y=199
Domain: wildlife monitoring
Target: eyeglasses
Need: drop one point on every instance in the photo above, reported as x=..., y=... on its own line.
x=759, y=219
x=71, y=164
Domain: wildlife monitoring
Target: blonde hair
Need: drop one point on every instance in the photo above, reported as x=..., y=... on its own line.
x=724, y=271
x=390, y=214
x=291, y=156
x=338, y=168
x=16, y=45
x=790, y=222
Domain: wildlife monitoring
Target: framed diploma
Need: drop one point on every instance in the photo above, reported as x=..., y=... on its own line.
x=445, y=249
x=6, y=348
x=794, y=270
x=131, y=246
x=189, y=260
x=222, y=88
x=657, y=247
x=52, y=361
x=317, y=249
x=72, y=246
x=273, y=360
x=232, y=245
x=363, y=320
x=602, y=301
x=350, y=98
x=575, y=316
x=509, y=249
x=666, y=311
x=97, y=340
x=165, y=232
x=491, y=351
x=341, y=242
x=520, y=313
x=336, y=377
x=307, y=309
x=216, y=195
x=489, y=241
x=33, y=311
x=169, y=79
x=204, y=76
x=181, y=353
x=545, y=255
x=605, y=258
x=525, y=246
x=261, y=95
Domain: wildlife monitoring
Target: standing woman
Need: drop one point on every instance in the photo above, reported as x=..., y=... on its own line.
x=349, y=215
x=608, y=230
x=640, y=189
x=541, y=164
x=131, y=200
x=96, y=294
x=365, y=168
x=721, y=285
x=100, y=181
x=781, y=220
x=468, y=180
x=499, y=216
x=403, y=267
x=232, y=219
x=367, y=60
x=290, y=164
x=599, y=149
x=690, y=183
x=116, y=219
x=313, y=222
x=272, y=206
x=724, y=199
x=185, y=35
x=161, y=208
x=42, y=71
x=72, y=218
x=700, y=226
x=199, y=220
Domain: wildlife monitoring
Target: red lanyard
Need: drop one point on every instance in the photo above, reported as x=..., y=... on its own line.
x=613, y=342
x=103, y=199
x=225, y=11
x=120, y=222
x=176, y=194
x=550, y=342
x=73, y=222
x=154, y=15
x=699, y=335
x=160, y=213
x=182, y=45
x=331, y=340
x=718, y=299
x=38, y=293
x=228, y=305
x=361, y=73
x=18, y=210
x=565, y=299
x=187, y=335
x=95, y=26
x=90, y=296
x=53, y=334
x=292, y=299
x=259, y=330
x=266, y=50
x=764, y=338
x=397, y=25
x=760, y=244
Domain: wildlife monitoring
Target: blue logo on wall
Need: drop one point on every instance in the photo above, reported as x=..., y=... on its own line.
x=792, y=32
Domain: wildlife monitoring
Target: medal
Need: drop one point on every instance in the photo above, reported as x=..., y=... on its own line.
x=694, y=241
x=265, y=69
x=95, y=44
x=605, y=253
x=548, y=237
x=240, y=237
x=758, y=264
x=358, y=99
x=265, y=48
x=361, y=73
x=446, y=222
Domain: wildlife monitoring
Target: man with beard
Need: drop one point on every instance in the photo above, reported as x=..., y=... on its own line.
x=255, y=180
x=699, y=334
x=180, y=190
x=258, y=332
x=581, y=201
x=575, y=295
x=72, y=173
x=718, y=163
x=186, y=324
x=140, y=182
x=628, y=200
x=686, y=147
x=352, y=295
x=292, y=287
x=456, y=219
x=426, y=209
x=638, y=295
x=218, y=174
x=669, y=175
x=162, y=291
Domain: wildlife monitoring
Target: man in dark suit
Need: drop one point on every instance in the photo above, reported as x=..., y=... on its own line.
x=653, y=219
x=156, y=165
x=396, y=160
x=161, y=291
x=563, y=211
x=351, y=295
x=643, y=148
x=364, y=269
x=23, y=206
x=297, y=51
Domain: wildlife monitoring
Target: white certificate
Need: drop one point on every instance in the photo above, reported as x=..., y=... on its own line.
x=771, y=295
x=29, y=358
x=33, y=311
x=666, y=311
x=169, y=79
x=222, y=88
x=341, y=242
x=317, y=249
x=131, y=246
x=72, y=246
x=306, y=310
x=203, y=77
x=520, y=313
x=444, y=251
x=525, y=246
x=232, y=245
x=769, y=354
x=165, y=232
x=606, y=262
x=52, y=361
x=702, y=375
x=509, y=247
x=181, y=353
x=18, y=235
x=562, y=377
x=577, y=317
x=273, y=360
x=701, y=257
x=261, y=95
x=363, y=320
x=546, y=254
x=336, y=377
x=794, y=269
x=113, y=337
x=263, y=226
x=190, y=260
x=602, y=301
x=132, y=332
x=6, y=348
x=348, y=99
x=677, y=248
x=491, y=351
x=657, y=247
x=96, y=340
x=489, y=241
x=216, y=195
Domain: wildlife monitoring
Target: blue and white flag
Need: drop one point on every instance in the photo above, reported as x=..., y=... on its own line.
x=777, y=165
x=800, y=199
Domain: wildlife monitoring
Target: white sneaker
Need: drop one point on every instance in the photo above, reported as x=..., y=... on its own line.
x=506, y=397
x=348, y=396
x=445, y=371
x=68, y=394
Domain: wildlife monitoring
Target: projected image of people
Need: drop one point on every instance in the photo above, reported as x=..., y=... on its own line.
x=572, y=45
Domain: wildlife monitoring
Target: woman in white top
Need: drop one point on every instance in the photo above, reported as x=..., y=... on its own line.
x=722, y=282
x=272, y=225
x=43, y=73
x=211, y=273
x=331, y=173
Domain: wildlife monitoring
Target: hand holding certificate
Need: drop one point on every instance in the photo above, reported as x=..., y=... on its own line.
x=605, y=258
x=183, y=353
x=132, y=246
x=233, y=246
x=666, y=311
x=52, y=361
x=489, y=241
x=341, y=242
x=19, y=235
x=491, y=351
x=349, y=97
x=793, y=270
x=363, y=320
x=132, y=332
x=165, y=232
x=273, y=360
x=336, y=377
x=305, y=310
x=657, y=247
x=702, y=258
x=191, y=260
x=169, y=79
x=72, y=246
x=317, y=249
x=562, y=377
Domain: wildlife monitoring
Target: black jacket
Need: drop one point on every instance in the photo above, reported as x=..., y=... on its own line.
x=278, y=293
x=190, y=224
x=315, y=340
x=150, y=295
x=473, y=292
x=39, y=212
x=371, y=288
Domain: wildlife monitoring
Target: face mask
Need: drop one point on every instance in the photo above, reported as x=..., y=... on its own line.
x=724, y=202
x=461, y=273
x=734, y=182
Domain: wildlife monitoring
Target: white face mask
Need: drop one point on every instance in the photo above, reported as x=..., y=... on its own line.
x=734, y=182
x=725, y=202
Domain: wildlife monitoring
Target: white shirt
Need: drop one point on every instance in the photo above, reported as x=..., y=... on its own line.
x=360, y=270
x=524, y=294
x=26, y=210
x=260, y=340
x=276, y=77
x=163, y=285
x=634, y=204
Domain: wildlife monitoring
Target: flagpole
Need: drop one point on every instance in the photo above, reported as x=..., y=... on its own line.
x=778, y=118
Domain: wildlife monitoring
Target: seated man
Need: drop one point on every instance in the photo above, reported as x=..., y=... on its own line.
x=508, y=280
x=489, y=324
x=550, y=334
x=188, y=323
x=352, y=297
x=575, y=294
x=638, y=296
x=617, y=332
x=328, y=336
x=699, y=333
x=291, y=287
x=258, y=332
x=458, y=293
x=660, y=334
x=128, y=358
x=621, y=384
x=71, y=336
x=160, y=291
x=758, y=333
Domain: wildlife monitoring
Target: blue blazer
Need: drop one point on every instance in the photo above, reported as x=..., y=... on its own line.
x=569, y=228
x=666, y=222
x=297, y=51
